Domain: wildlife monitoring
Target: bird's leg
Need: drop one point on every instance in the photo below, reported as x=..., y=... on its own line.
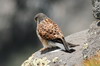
x=43, y=50
x=48, y=49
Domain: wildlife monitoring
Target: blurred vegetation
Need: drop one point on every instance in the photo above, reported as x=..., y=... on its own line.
x=93, y=61
x=18, y=39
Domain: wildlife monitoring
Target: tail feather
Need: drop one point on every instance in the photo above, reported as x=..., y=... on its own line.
x=66, y=45
x=72, y=45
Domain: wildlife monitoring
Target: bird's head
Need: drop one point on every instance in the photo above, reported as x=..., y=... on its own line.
x=39, y=17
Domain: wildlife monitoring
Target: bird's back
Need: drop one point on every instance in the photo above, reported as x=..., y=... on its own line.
x=49, y=30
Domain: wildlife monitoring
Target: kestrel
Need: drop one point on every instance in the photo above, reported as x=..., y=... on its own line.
x=49, y=33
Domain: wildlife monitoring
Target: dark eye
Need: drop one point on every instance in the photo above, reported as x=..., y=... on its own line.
x=98, y=24
x=36, y=18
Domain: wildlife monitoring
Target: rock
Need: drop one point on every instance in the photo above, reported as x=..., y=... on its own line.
x=58, y=57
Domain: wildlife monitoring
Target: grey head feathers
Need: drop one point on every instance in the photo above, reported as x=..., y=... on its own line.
x=39, y=17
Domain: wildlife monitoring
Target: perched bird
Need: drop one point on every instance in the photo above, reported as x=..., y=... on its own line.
x=49, y=33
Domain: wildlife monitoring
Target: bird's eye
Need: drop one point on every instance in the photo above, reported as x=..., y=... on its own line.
x=36, y=18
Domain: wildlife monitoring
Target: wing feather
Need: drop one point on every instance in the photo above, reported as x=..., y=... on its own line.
x=49, y=30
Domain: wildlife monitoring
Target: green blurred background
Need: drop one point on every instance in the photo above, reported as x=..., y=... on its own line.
x=18, y=39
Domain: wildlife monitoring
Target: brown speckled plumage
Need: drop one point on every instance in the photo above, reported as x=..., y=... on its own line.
x=48, y=32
